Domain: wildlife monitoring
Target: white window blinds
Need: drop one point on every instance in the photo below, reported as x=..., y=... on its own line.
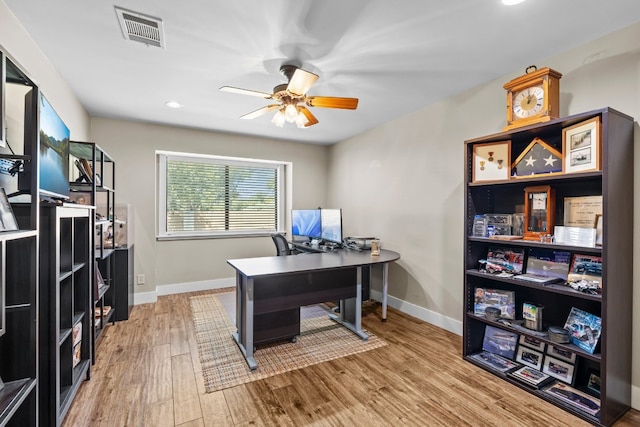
x=208, y=196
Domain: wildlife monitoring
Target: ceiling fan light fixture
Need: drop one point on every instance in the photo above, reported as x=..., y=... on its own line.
x=301, y=121
x=511, y=2
x=278, y=119
x=290, y=113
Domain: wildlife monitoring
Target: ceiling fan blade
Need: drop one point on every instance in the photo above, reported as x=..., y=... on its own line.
x=301, y=82
x=240, y=91
x=261, y=111
x=332, y=102
x=311, y=119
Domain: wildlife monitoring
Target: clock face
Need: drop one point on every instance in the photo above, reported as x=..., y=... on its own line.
x=528, y=102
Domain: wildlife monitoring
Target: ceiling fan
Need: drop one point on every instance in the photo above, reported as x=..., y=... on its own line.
x=292, y=99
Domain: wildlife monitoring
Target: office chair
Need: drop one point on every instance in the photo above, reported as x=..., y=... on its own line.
x=282, y=246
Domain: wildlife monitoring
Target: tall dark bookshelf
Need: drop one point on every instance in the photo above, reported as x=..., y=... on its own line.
x=19, y=269
x=94, y=185
x=614, y=181
x=66, y=280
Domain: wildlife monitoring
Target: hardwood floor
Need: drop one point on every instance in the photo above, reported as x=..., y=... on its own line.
x=147, y=373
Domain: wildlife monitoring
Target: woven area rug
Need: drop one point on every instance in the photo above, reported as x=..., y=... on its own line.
x=223, y=365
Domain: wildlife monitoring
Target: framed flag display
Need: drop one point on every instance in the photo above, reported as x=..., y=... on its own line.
x=537, y=159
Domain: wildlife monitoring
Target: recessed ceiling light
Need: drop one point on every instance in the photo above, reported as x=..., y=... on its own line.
x=173, y=104
x=511, y=2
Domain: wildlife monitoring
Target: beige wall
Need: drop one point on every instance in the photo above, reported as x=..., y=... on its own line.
x=133, y=145
x=406, y=176
x=19, y=46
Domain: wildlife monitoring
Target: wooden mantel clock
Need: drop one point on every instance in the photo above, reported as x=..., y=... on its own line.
x=533, y=97
x=539, y=211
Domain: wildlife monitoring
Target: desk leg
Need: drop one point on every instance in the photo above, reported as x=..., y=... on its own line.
x=244, y=318
x=351, y=314
x=385, y=289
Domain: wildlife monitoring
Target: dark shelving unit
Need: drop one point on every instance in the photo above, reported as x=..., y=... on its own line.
x=19, y=266
x=612, y=356
x=66, y=280
x=96, y=188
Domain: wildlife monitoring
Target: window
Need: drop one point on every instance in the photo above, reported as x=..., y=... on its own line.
x=212, y=196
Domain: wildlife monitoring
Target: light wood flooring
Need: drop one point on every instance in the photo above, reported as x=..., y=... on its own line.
x=147, y=373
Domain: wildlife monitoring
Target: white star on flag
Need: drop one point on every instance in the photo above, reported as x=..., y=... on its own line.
x=530, y=161
x=550, y=160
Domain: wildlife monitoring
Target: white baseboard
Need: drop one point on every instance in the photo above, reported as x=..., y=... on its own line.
x=421, y=313
x=180, y=288
x=635, y=397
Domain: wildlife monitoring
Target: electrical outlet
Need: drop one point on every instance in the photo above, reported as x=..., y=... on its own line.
x=140, y=279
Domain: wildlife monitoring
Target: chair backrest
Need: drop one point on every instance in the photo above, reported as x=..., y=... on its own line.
x=282, y=246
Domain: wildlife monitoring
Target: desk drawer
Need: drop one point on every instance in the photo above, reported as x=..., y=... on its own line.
x=282, y=292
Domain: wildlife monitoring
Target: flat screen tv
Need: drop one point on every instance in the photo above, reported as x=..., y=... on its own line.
x=306, y=222
x=53, y=152
x=331, y=220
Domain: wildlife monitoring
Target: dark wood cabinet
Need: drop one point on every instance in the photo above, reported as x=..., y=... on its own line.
x=611, y=360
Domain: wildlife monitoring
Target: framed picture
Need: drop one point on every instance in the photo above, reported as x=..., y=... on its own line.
x=532, y=342
x=7, y=219
x=598, y=226
x=575, y=398
x=586, y=267
x=581, y=144
x=491, y=162
x=529, y=357
x=504, y=300
x=593, y=382
x=558, y=369
x=499, y=341
x=494, y=361
x=530, y=376
x=561, y=353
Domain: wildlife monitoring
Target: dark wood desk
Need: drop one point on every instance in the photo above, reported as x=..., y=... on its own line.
x=271, y=290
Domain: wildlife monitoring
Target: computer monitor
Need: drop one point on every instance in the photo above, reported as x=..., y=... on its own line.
x=331, y=220
x=306, y=222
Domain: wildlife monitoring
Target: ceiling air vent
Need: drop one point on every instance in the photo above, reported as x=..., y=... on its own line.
x=141, y=28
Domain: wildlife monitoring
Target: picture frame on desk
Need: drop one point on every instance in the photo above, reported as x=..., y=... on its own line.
x=491, y=161
x=581, y=143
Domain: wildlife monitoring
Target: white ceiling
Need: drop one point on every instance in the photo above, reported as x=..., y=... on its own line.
x=395, y=56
